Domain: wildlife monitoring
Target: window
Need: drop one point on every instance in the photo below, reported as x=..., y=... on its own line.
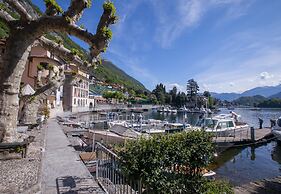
x=74, y=101
x=230, y=124
x=44, y=65
x=222, y=125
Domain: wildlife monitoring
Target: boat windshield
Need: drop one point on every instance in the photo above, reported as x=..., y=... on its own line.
x=208, y=122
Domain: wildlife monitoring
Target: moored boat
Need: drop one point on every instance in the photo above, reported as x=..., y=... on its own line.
x=222, y=123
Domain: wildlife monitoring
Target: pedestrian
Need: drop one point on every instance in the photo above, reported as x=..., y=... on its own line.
x=260, y=122
x=272, y=122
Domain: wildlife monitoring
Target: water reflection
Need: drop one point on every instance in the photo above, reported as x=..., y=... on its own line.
x=276, y=153
x=242, y=165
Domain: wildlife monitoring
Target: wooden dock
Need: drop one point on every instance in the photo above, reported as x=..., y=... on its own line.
x=266, y=186
x=243, y=138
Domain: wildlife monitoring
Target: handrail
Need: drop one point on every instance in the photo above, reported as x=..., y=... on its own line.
x=110, y=176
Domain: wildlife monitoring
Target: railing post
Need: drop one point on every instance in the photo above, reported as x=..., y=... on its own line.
x=252, y=134
x=97, y=165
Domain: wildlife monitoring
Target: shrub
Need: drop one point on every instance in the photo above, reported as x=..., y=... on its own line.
x=218, y=187
x=169, y=163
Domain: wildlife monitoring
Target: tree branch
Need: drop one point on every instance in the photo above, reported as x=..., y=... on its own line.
x=98, y=42
x=75, y=9
x=47, y=24
x=53, y=83
x=6, y=17
x=19, y=9
x=60, y=50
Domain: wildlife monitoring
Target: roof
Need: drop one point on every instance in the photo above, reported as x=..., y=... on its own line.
x=87, y=156
x=27, y=90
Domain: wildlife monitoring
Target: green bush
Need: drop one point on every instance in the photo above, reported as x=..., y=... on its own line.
x=169, y=163
x=218, y=187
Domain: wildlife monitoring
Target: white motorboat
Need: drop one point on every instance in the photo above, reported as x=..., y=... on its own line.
x=176, y=127
x=222, y=123
x=276, y=130
x=152, y=131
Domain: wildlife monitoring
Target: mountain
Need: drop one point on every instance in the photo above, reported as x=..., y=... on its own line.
x=110, y=73
x=107, y=72
x=250, y=100
x=278, y=95
x=266, y=91
x=225, y=96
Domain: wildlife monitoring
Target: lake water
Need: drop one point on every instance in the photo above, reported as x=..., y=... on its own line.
x=244, y=164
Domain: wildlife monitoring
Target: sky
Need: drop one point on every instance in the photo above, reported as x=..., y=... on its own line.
x=225, y=45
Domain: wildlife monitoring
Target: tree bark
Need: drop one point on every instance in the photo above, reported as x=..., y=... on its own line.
x=12, y=68
x=30, y=111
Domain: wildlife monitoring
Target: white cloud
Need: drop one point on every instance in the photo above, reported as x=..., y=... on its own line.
x=265, y=75
x=231, y=84
x=175, y=17
x=169, y=86
x=204, y=87
x=247, y=59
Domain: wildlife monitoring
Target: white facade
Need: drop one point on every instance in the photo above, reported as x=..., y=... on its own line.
x=80, y=94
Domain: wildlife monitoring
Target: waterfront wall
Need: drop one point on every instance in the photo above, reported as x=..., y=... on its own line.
x=105, y=107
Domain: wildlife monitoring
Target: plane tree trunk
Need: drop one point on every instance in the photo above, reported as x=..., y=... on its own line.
x=12, y=67
x=30, y=111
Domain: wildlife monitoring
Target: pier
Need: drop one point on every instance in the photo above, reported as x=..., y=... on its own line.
x=243, y=138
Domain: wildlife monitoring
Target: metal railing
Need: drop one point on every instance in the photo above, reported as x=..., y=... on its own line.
x=109, y=175
x=243, y=134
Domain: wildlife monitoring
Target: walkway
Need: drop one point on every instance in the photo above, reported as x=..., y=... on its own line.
x=62, y=169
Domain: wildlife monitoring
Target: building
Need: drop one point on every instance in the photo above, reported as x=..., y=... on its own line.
x=39, y=56
x=76, y=89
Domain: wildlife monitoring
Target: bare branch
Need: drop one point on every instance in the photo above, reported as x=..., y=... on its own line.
x=19, y=9
x=47, y=24
x=5, y=17
x=60, y=50
x=53, y=83
x=105, y=20
x=98, y=42
x=75, y=9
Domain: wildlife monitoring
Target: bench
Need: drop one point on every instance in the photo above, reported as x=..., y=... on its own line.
x=17, y=146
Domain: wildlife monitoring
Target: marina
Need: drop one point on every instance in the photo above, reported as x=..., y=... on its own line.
x=243, y=147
